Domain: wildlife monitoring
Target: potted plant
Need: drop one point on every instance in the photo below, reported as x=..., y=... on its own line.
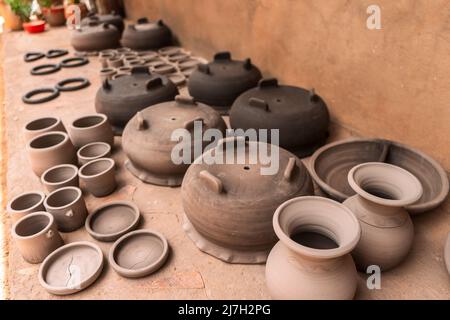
x=53, y=12
x=17, y=12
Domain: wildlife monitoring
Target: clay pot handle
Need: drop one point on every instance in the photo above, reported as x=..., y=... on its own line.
x=203, y=68
x=141, y=123
x=211, y=181
x=258, y=103
x=49, y=234
x=106, y=85
x=189, y=125
x=268, y=83
x=160, y=22
x=69, y=214
x=313, y=96
x=142, y=20
x=289, y=170
x=153, y=83
x=224, y=55
x=247, y=64
x=183, y=99
x=140, y=70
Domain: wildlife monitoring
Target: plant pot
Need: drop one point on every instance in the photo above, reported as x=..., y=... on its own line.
x=57, y=177
x=93, y=151
x=312, y=259
x=36, y=26
x=382, y=190
x=12, y=21
x=146, y=35
x=91, y=128
x=95, y=37
x=42, y=125
x=54, y=15
x=24, y=204
x=99, y=177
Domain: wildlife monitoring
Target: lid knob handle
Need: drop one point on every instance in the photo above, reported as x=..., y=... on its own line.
x=211, y=181
x=204, y=68
x=160, y=23
x=184, y=99
x=141, y=123
x=313, y=96
x=289, y=170
x=247, y=64
x=267, y=83
x=153, y=83
x=223, y=55
x=258, y=103
x=106, y=85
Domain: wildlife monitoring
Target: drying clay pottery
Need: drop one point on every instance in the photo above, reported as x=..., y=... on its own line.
x=42, y=125
x=329, y=167
x=139, y=253
x=93, y=151
x=24, y=204
x=72, y=84
x=71, y=268
x=51, y=93
x=121, y=98
x=36, y=236
x=113, y=19
x=312, y=259
x=107, y=74
x=146, y=35
x=112, y=220
x=50, y=149
x=115, y=62
x=229, y=207
x=447, y=254
x=300, y=115
x=68, y=207
x=99, y=177
x=74, y=62
x=382, y=190
x=95, y=37
x=147, y=138
x=91, y=128
x=63, y=175
x=221, y=81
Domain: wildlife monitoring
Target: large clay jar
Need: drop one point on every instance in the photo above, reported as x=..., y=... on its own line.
x=91, y=128
x=312, y=259
x=229, y=205
x=112, y=18
x=95, y=37
x=221, y=81
x=301, y=116
x=148, y=139
x=382, y=190
x=120, y=99
x=50, y=149
x=146, y=35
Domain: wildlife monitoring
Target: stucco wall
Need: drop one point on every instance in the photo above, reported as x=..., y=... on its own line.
x=392, y=83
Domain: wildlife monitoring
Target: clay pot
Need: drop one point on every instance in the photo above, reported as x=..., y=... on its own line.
x=382, y=190
x=54, y=15
x=95, y=37
x=312, y=259
x=113, y=19
x=300, y=115
x=221, y=81
x=93, y=151
x=147, y=138
x=115, y=62
x=63, y=175
x=332, y=178
x=122, y=98
x=36, y=236
x=42, y=125
x=91, y=128
x=107, y=74
x=146, y=35
x=99, y=177
x=104, y=57
x=68, y=207
x=50, y=149
x=24, y=204
x=212, y=194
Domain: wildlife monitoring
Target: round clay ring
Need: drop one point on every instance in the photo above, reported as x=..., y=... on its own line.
x=33, y=56
x=44, y=69
x=53, y=93
x=74, y=62
x=55, y=53
x=62, y=85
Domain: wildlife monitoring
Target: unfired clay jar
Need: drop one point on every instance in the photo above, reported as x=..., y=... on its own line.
x=382, y=190
x=91, y=128
x=24, y=204
x=95, y=37
x=146, y=35
x=50, y=149
x=312, y=259
x=68, y=207
x=229, y=207
x=63, y=175
x=36, y=236
x=98, y=176
x=93, y=151
x=42, y=125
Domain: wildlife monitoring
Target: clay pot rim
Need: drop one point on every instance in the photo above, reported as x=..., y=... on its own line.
x=101, y=155
x=64, y=165
x=9, y=207
x=53, y=125
x=142, y=271
x=50, y=133
x=51, y=220
x=83, y=176
x=95, y=115
x=313, y=253
x=103, y=236
x=52, y=194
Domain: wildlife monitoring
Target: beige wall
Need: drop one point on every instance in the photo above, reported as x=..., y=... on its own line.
x=392, y=83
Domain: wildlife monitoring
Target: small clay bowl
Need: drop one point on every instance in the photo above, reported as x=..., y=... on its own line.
x=112, y=220
x=99, y=177
x=115, y=62
x=71, y=268
x=119, y=75
x=24, y=204
x=124, y=70
x=63, y=175
x=188, y=64
x=168, y=51
x=107, y=73
x=42, y=125
x=91, y=128
x=164, y=69
x=93, y=151
x=139, y=253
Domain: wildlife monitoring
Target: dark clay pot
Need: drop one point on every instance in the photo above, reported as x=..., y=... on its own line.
x=120, y=99
x=300, y=115
x=95, y=37
x=145, y=35
x=221, y=81
x=113, y=19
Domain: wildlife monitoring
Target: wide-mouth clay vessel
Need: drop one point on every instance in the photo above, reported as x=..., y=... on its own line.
x=63, y=175
x=91, y=128
x=447, y=254
x=42, y=125
x=112, y=18
x=312, y=259
x=36, y=236
x=68, y=207
x=229, y=206
x=120, y=99
x=139, y=253
x=98, y=176
x=50, y=149
x=95, y=37
x=24, y=204
x=300, y=115
x=146, y=35
x=329, y=167
x=221, y=81
x=93, y=151
x=71, y=268
x=382, y=190
x=112, y=220
x=148, y=139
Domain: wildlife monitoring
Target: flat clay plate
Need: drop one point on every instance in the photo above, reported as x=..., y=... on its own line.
x=71, y=268
x=139, y=253
x=112, y=220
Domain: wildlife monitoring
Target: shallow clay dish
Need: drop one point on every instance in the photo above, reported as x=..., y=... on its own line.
x=71, y=268
x=112, y=220
x=139, y=253
x=329, y=167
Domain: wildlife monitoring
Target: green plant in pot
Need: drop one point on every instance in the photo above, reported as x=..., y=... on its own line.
x=21, y=10
x=53, y=12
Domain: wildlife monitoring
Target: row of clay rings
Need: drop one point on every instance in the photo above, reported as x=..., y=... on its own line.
x=53, y=92
x=49, y=68
x=50, y=54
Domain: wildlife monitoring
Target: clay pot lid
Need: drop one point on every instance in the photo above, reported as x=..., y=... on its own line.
x=94, y=28
x=139, y=253
x=447, y=254
x=143, y=24
x=332, y=178
x=112, y=220
x=71, y=268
